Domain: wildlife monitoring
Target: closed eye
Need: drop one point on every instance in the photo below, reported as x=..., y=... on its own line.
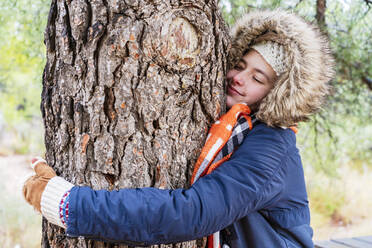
x=238, y=67
x=257, y=80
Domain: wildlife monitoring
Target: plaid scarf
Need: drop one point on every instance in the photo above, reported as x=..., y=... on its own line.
x=223, y=138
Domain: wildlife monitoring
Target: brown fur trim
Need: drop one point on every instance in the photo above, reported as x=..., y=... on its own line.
x=301, y=91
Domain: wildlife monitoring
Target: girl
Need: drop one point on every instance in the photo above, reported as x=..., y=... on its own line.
x=248, y=184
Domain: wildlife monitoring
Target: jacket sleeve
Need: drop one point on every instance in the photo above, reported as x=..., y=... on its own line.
x=250, y=180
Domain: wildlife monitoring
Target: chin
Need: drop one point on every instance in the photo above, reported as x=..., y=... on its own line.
x=229, y=103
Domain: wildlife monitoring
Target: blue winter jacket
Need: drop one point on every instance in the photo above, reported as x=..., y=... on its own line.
x=258, y=198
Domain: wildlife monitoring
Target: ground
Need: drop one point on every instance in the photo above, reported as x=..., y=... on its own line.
x=20, y=225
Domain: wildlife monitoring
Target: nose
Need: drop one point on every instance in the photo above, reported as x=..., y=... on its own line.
x=237, y=79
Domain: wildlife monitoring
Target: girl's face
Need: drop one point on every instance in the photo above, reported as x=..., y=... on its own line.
x=249, y=81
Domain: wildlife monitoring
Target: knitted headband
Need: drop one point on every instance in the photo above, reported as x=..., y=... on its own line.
x=274, y=54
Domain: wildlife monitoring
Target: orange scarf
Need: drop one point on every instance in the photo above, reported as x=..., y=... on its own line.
x=219, y=134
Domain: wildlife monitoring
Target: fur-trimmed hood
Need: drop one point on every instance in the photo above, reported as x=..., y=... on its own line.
x=301, y=90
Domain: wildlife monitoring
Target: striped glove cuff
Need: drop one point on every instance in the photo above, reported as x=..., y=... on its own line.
x=53, y=195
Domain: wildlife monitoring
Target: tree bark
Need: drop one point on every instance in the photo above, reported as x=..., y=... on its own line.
x=130, y=89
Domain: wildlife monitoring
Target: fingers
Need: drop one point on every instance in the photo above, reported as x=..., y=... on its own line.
x=42, y=169
x=32, y=191
x=26, y=186
x=36, y=160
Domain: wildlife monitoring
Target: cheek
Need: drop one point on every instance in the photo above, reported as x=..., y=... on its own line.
x=230, y=74
x=255, y=93
x=261, y=92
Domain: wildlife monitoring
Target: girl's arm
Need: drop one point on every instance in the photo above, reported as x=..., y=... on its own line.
x=250, y=180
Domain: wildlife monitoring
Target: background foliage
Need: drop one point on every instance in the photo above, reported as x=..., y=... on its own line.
x=335, y=145
x=22, y=59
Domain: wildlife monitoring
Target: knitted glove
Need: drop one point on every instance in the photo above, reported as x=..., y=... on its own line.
x=45, y=190
x=35, y=185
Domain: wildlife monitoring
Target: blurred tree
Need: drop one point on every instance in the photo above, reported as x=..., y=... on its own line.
x=321, y=6
x=22, y=57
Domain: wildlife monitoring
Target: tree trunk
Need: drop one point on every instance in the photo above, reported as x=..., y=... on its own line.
x=130, y=89
x=321, y=7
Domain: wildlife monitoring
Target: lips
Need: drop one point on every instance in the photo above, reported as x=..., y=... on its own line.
x=231, y=90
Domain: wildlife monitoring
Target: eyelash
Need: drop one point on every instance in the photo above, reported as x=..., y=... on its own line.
x=257, y=80
x=238, y=67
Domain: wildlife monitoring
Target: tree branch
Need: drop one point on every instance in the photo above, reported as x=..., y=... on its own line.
x=321, y=6
x=367, y=81
x=298, y=3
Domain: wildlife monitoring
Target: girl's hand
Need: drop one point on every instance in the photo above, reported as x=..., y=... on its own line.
x=34, y=186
